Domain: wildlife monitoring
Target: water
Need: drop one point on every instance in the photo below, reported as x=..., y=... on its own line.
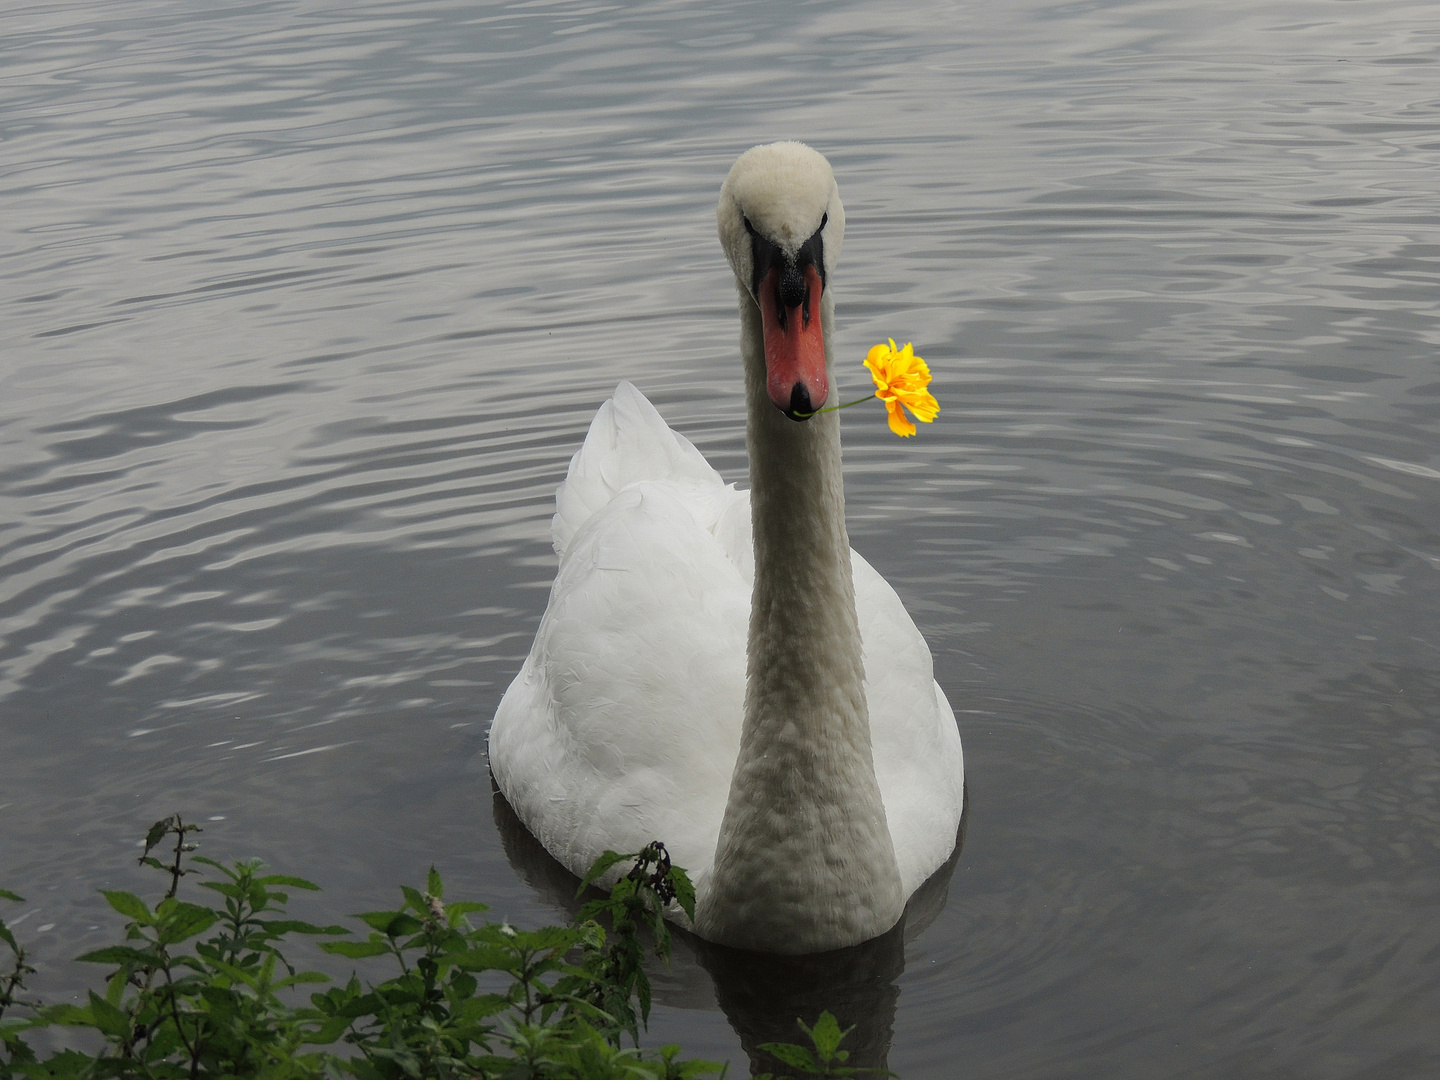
x=305, y=307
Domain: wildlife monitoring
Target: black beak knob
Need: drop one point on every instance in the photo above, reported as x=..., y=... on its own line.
x=800, y=407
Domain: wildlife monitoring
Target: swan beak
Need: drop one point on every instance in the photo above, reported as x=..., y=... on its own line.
x=794, y=342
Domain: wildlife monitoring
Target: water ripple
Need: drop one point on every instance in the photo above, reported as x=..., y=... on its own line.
x=308, y=306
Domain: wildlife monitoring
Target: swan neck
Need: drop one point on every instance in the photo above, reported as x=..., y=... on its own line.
x=804, y=861
x=803, y=592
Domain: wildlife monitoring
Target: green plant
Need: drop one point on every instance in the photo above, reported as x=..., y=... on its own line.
x=636, y=900
x=825, y=1058
x=170, y=1010
x=14, y=1048
x=491, y=1002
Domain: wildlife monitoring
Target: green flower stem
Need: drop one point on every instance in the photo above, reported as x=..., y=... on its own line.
x=837, y=408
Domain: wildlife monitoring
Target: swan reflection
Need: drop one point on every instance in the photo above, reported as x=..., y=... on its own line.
x=762, y=995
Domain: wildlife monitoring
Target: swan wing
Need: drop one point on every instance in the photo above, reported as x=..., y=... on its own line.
x=624, y=724
x=628, y=442
x=916, y=744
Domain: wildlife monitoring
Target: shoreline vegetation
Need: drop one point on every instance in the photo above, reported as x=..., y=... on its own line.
x=479, y=1002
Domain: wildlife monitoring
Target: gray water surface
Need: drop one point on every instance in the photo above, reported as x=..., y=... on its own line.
x=306, y=305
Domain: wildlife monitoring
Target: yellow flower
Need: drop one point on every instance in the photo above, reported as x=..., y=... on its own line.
x=900, y=380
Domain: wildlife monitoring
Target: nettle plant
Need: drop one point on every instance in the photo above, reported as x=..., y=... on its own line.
x=463, y=1001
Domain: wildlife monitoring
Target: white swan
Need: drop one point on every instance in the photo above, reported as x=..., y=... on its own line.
x=807, y=770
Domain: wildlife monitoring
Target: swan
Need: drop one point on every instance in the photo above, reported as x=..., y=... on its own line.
x=717, y=668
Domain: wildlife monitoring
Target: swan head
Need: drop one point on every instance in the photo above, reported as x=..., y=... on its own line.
x=781, y=225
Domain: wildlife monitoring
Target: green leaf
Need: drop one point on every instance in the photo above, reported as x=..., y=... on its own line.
x=110, y=1020
x=376, y=920
x=493, y=958
x=433, y=885
x=8, y=937
x=598, y=868
x=66, y=1015
x=362, y=1005
x=267, y=969
x=302, y=977
x=415, y=899
x=157, y=832
x=355, y=950
x=328, y=1032
x=164, y=1042
x=826, y=1035
x=642, y=992
x=284, y=879
x=281, y=927
x=592, y=934
x=129, y=905
x=119, y=955
x=237, y=974
x=797, y=1057
x=684, y=890
x=394, y=924
x=548, y=938
x=183, y=920
x=667, y=1068
x=259, y=897
x=67, y=1064
x=6, y=894
x=481, y=1006
x=224, y=888
x=463, y=907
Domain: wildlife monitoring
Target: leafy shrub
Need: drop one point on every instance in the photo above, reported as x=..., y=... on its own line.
x=491, y=1002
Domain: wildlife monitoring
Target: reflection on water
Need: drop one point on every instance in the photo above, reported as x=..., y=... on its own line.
x=763, y=996
x=307, y=305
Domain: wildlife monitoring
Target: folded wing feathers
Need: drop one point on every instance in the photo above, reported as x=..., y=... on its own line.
x=628, y=442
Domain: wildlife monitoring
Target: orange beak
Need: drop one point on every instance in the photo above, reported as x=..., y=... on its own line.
x=794, y=346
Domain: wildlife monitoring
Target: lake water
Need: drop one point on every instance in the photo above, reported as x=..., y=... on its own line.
x=306, y=305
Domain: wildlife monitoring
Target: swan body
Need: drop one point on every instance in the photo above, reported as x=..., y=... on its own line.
x=716, y=668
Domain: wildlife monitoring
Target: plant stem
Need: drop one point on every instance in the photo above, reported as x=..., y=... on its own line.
x=193, y=1049
x=176, y=873
x=15, y=981
x=834, y=408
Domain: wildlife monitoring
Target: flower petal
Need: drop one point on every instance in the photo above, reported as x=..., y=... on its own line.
x=922, y=403
x=900, y=380
x=899, y=424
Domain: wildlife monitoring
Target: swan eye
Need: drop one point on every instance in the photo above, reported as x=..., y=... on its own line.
x=823, y=218
x=748, y=227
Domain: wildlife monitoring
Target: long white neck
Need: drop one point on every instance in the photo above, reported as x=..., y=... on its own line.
x=804, y=861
